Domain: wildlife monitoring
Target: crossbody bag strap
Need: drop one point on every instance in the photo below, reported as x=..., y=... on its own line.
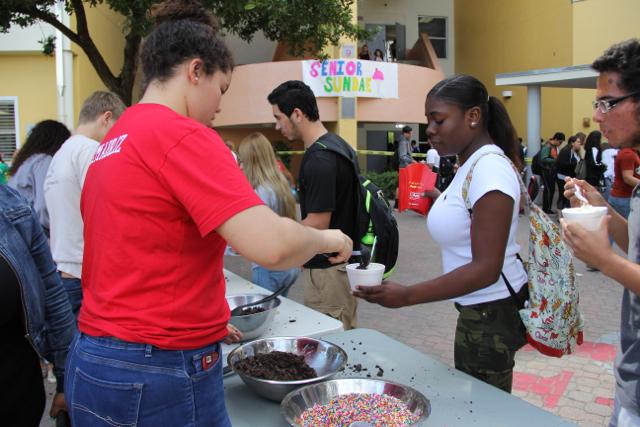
x=467, y=203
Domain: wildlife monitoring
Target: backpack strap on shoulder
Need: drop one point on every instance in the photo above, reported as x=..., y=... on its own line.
x=467, y=181
x=467, y=203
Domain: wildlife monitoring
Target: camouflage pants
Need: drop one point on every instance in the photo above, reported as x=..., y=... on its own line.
x=487, y=338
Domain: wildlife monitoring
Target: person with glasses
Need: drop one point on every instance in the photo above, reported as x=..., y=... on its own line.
x=617, y=111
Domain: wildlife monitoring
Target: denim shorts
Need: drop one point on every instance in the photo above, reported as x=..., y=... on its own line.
x=110, y=382
x=622, y=205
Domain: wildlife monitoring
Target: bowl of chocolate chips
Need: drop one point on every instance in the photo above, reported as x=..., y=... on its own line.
x=254, y=320
x=272, y=367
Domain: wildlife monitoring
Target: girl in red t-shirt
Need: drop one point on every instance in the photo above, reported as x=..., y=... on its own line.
x=161, y=199
x=626, y=177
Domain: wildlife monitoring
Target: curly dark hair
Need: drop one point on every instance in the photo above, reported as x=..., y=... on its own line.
x=184, y=30
x=46, y=137
x=622, y=58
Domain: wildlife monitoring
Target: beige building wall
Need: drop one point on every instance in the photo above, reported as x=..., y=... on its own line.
x=106, y=30
x=597, y=24
x=502, y=36
x=32, y=79
x=29, y=75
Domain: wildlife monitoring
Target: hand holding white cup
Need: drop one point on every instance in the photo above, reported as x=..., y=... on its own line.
x=590, y=217
x=371, y=276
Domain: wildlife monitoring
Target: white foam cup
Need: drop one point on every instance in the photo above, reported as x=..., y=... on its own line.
x=590, y=217
x=372, y=276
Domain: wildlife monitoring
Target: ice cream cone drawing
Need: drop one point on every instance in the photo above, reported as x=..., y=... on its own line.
x=378, y=79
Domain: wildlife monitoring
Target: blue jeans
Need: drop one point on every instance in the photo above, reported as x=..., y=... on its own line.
x=110, y=382
x=274, y=280
x=622, y=205
x=608, y=182
x=74, y=293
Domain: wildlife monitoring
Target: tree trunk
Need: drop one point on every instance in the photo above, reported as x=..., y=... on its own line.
x=127, y=75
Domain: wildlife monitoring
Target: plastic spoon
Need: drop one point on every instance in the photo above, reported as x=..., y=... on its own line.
x=238, y=311
x=580, y=196
x=373, y=246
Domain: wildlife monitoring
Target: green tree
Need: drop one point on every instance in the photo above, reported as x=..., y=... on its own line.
x=305, y=25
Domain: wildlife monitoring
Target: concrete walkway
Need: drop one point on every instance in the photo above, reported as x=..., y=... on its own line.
x=579, y=387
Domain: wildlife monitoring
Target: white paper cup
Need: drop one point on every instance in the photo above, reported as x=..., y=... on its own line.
x=372, y=276
x=590, y=217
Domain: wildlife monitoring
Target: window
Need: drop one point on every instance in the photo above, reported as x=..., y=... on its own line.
x=8, y=126
x=436, y=29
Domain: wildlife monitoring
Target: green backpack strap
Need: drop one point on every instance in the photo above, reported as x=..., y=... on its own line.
x=369, y=236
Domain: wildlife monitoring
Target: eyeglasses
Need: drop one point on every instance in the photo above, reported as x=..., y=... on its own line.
x=606, y=105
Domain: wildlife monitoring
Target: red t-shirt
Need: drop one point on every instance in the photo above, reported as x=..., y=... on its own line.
x=626, y=159
x=157, y=188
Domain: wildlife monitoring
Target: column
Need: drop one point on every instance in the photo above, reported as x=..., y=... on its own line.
x=347, y=125
x=533, y=120
x=533, y=124
x=64, y=71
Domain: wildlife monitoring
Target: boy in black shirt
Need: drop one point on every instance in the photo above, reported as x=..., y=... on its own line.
x=328, y=197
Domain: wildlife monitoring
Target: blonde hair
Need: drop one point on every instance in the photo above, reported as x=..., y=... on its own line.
x=99, y=103
x=260, y=166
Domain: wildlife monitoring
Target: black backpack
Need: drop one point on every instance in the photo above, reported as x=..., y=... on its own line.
x=375, y=217
x=536, y=164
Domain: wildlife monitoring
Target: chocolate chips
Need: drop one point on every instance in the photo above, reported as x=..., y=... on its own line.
x=277, y=365
x=252, y=310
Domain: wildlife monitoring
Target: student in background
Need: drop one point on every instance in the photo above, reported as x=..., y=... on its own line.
x=31, y=163
x=364, y=53
x=593, y=158
x=259, y=164
x=63, y=186
x=609, y=154
x=548, y=155
x=328, y=196
x=433, y=159
x=568, y=159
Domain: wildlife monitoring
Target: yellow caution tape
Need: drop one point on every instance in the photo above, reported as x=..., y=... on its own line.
x=370, y=152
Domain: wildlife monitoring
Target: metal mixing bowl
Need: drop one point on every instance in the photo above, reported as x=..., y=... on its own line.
x=325, y=357
x=296, y=402
x=252, y=325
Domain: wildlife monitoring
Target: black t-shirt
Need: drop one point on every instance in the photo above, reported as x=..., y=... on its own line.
x=327, y=184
